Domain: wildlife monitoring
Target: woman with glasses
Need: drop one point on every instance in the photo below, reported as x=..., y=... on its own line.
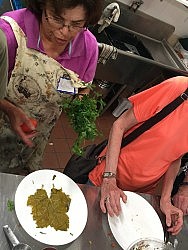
x=51, y=53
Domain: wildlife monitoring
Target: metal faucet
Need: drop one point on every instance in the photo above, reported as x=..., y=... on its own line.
x=110, y=14
x=136, y=4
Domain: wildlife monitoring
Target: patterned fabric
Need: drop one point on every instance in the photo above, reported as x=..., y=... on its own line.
x=32, y=87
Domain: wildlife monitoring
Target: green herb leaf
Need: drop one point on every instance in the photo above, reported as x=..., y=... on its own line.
x=10, y=205
x=82, y=114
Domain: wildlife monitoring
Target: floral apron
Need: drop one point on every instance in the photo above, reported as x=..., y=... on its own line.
x=33, y=87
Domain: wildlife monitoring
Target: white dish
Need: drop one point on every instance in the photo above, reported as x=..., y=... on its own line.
x=77, y=213
x=138, y=219
x=185, y=2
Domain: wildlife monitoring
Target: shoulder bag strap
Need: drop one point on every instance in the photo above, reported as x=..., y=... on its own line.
x=155, y=119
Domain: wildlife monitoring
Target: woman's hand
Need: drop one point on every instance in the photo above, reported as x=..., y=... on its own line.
x=110, y=197
x=174, y=217
x=180, y=199
x=17, y=118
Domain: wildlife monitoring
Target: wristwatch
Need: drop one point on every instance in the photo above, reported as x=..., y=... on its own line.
x=108, y=175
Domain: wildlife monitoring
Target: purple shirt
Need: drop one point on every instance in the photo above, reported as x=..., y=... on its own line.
x=84, y=52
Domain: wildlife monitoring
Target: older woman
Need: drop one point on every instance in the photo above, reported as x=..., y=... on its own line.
x=51, y=52
x=156, y=153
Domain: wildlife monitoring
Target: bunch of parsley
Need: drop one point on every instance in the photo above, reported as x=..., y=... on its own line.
x=82, y=114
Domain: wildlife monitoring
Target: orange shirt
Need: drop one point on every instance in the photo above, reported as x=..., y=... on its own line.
x=143, y=161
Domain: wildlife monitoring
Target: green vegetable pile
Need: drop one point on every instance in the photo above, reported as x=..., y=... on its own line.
x=82, y=114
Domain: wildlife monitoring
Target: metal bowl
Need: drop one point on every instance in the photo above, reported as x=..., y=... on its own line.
x=150, y=244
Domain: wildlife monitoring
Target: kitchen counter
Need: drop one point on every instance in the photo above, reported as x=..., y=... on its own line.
x=96, y=235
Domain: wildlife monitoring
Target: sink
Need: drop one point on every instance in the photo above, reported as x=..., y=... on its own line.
x=141, y=36
x=144, y=48
x=122, y=40
x=144, y=57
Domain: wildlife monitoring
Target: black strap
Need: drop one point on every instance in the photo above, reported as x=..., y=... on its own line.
x=155, y=119
x=184, y=183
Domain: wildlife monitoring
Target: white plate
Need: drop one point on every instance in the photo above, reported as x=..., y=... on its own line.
x=137, y=220
x=185, y=2
x=77, y=213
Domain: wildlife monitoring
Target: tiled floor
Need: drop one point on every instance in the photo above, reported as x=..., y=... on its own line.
x=58, y=150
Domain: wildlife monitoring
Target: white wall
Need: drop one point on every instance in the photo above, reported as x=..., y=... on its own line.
x=169, y=11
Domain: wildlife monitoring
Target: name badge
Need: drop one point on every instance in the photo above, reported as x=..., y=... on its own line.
x=64, y=85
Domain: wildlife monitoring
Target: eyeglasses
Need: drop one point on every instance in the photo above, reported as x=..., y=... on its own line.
x=59, y=24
